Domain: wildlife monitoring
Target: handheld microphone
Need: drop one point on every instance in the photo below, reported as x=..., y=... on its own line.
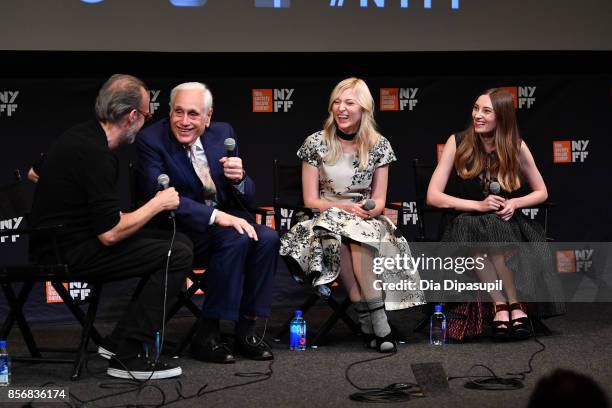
x=163, y=181
x=369, y=204
x=230, y=147
x=494, y=188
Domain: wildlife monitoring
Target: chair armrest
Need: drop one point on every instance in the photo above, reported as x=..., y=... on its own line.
x=34, y=230
x=546, y=205
x=261, y=211
x=393, y=206
x=311, y=211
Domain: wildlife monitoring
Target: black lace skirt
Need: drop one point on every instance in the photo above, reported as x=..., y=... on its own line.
x=523, y=244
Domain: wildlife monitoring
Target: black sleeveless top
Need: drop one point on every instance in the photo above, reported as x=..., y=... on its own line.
x=475, y=188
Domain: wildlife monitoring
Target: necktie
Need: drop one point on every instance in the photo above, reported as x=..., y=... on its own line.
x=200, y=165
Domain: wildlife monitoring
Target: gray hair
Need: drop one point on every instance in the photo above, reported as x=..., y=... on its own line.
x=208, y=99
x=118, y=96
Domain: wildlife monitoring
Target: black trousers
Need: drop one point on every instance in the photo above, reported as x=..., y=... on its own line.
x=143, y=255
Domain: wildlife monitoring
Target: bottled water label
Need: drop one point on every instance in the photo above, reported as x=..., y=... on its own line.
x=4, y=370
x=297, y=338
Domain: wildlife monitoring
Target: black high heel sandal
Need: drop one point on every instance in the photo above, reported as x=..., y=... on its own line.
x=520, y=327
x=501, y=333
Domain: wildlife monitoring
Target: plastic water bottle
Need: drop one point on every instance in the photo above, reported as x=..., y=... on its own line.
x=297, y=332
x=5, y=365
x=437, y=327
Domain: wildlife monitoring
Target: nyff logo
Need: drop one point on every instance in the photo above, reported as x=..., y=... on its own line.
x=272, y=100
x=77, y=290
x=153, y=103
x=285, y=219
x=410, y=215
x=524, y=96
x=394, y=99
x=532, y=213
x=8, y=225
x=578, y=260
x=7, y=103
x=570, y=151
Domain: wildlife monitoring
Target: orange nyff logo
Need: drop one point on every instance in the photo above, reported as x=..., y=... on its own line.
x=262, y=100
x=51, y=294
x=566, y=261
x=514, y=91
x=389, y=99
x=523, y=96
x=562, y=151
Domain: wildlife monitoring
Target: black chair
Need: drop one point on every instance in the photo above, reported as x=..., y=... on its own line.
x=432, y=221
x=14, y=204
x=289, y=210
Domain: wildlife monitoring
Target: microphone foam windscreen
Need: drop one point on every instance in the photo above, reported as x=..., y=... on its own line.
x=230, y=144
x=163, y=181
x=494, y=187
x=369, y=204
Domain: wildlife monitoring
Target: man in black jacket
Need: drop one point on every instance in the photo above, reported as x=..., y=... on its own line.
x=79, y=189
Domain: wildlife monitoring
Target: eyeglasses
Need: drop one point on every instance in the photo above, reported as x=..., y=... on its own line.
x=147, y=115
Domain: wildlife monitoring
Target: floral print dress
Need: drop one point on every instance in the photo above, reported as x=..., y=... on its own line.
x=315, y=244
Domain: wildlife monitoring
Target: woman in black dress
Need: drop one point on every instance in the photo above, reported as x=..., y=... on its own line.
x=479, y=176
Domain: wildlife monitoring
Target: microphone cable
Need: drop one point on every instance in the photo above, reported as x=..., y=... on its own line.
x=133, y=384
x=494, y=382
x=392, y=393
x=138, y=386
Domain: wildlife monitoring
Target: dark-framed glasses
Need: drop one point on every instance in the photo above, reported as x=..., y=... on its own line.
x=147, y=115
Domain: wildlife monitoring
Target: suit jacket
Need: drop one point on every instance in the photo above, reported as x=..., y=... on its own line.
x=159, y=152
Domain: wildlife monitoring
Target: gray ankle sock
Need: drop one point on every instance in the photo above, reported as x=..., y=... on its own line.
x=379, y=322
x=363, y=314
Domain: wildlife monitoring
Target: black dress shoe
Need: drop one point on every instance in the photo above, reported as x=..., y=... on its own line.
x=212, y=350
x=253, y=347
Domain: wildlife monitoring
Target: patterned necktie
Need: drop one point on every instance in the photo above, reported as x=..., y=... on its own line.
x=203, y=171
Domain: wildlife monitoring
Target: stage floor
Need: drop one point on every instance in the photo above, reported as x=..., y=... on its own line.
x=316, y=377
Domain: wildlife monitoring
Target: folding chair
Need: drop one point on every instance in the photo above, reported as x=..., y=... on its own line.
x=14, y=204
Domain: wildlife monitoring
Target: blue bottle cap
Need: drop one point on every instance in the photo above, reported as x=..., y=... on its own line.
x=438, y=308
x=298, y=313
x=2, y=343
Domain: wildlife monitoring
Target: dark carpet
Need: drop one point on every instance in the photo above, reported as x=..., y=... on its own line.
x=581, y=342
